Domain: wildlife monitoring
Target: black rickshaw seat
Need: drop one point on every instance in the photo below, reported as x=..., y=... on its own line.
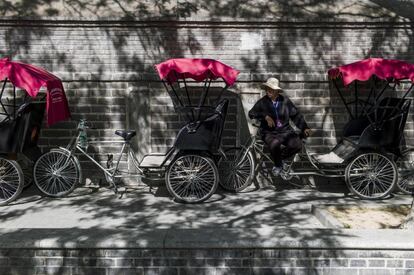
x=126, y=134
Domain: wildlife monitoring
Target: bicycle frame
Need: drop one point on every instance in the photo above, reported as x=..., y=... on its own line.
x=112, y=172
x=254, y=146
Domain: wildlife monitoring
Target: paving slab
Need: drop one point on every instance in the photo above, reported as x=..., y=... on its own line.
x=277, y=215
x=140, y=206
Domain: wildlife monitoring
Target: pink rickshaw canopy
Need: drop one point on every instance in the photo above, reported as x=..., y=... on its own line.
x=198, y=69
x=31, y=79
x=387, y=69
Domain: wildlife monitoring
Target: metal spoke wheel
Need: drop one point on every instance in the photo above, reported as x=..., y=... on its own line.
x=236, y=169
x=371, y=175
x=56, y=173
x=11, y=180
x=192, y=178
x=406, y=172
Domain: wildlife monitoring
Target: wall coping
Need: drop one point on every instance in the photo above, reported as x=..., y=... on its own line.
x=206, y=238
x=191, y=22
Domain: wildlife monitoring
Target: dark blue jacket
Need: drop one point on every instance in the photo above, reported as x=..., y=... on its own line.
x=286, y=111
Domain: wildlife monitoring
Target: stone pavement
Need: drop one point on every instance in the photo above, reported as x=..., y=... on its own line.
x=279, y=205
x=265, y=231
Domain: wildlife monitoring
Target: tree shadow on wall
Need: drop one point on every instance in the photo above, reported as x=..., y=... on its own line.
x=91, y=80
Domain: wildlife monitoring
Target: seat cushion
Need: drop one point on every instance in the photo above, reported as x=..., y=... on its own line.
x=126, y=134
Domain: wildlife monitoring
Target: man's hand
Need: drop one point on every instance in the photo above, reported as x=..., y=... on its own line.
x=307, y=132
x=270, y=121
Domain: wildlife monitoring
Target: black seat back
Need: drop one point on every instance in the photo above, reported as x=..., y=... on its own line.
x=204, y=135
x=22, y=132
x=388, y=131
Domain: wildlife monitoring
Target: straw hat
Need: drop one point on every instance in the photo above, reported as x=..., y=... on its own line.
x=272, y=83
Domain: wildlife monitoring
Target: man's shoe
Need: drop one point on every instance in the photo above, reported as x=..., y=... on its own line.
x=276, y=171
x=285, y=166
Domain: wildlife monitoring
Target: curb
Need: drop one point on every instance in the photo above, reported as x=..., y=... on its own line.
x=207, y=238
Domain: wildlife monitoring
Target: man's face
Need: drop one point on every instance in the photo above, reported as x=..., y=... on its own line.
x=272, y=94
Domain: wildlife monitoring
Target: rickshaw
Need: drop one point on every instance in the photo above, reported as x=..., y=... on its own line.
x=367, y=154
x=189, y=166
x=21, y=120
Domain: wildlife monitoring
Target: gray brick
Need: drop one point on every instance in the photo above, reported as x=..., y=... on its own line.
x=160, y=262
x=17, y=252
x=395, y=263
x=304, y=263
x=124, y=271
x=404, y=272
x=53, y=270
x=409, y=264
x=4, y=261
x=105, y=262
x=52, y=253
x=358, y=263
x=26, y=261
x=143, y=262
x=375, y=272
x=16, y=270
x=124, y=262
x=339, y=271
x=56, y=261
x=177, y=262
x=269, y=271
x=247, y=262
x=162, y=271
x=232, y=271
x=305, y=271
x=233, y=262
x=339, y=262
x=85, y=270
x=215, y=262
x=376, y=254
x=376, y=263
x=197, y=271
x=321, y=262
x=196, y=262
x=272, y=263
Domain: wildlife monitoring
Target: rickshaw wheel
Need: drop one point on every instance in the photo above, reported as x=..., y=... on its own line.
x=192, y=178
x=56, y=173
x=371, y=175
x=11, y=180
x=236, y=170
x=406, y=172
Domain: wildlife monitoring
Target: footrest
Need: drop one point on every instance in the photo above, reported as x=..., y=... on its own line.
x=152, y=161
x=330, y=158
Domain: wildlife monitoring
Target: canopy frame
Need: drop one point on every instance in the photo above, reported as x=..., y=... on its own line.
x=365, y=109
x=176, y=71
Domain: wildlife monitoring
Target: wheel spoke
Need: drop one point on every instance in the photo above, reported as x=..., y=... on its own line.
x=371, y=175
x=56, y=173
x=192, y=178
x=11, y=180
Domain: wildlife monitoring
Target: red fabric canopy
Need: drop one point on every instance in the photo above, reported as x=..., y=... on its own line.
x=196, y=68
x=31, y=79
x=382, y=68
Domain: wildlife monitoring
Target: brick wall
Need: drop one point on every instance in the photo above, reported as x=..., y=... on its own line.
x=206, y=261
x=106, y=63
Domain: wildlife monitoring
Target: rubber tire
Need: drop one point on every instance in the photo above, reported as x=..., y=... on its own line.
x=402, y=174
x=187, y=200
x=74, y=161
x=19, y=189
x=224, y=172
x=362, y=196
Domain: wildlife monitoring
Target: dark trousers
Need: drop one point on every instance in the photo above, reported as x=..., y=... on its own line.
x=290, y=140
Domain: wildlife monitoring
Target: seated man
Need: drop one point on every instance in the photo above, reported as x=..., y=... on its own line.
x=274, y=112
